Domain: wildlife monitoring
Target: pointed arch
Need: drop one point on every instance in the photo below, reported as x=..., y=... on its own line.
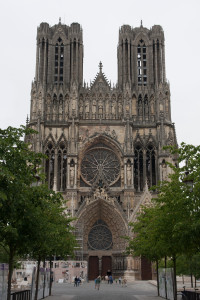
x=151, y=164
x=50, y=163
x=138, y=167
x=62, y=166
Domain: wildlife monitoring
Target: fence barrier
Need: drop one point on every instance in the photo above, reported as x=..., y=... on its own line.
x=190, y=295
x=22, y=295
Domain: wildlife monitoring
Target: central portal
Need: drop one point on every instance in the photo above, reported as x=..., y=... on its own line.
x=106, y=268
x=99, y=266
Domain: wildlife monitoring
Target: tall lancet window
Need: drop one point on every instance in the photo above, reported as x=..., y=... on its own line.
x=151, y=165
x=142, y=63
x=62, y=167
x=138, y=168
x=59, y=62
x=49, y=165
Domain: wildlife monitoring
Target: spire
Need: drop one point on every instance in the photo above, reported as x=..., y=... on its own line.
x=60, y=20
x=27, y=120
x=141, y=25
x=100, y=67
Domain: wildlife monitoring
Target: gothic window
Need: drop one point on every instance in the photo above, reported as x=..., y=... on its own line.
x=142, y=63
x=100, y=163
x=138, y=168
x=49, y=164
x=151, y=165
x=62, y=167
x=144, y=166
x=100, y=236
x=59, y=62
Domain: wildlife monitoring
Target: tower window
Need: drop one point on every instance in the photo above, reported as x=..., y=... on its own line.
x=141, y=63
x=59, y=62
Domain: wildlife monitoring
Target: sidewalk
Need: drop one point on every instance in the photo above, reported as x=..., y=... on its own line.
x=139, y=290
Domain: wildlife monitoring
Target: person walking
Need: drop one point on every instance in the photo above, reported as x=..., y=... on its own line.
x=98, y=281
x=75, y=281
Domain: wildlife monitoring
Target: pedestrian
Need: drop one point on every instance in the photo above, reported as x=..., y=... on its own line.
x=75, y=281
x=95, y=283
x=106, y=278
x=116, y=280
x=124, y=282
x=98, y=281
x=120, y=280
x=110, y=279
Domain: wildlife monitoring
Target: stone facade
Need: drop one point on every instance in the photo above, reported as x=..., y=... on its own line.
x=104, y=143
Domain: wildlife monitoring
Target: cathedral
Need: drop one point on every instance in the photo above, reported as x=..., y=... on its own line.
x=104, y=144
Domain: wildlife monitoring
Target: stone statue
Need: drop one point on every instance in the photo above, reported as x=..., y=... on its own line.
x=113, y=108
x=71, y=175
x=93, y=109
x=81, y=107
x=100, y=108
x=87, y=108
x=128, y=173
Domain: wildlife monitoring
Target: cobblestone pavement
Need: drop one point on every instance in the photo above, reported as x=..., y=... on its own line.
x=139, y=290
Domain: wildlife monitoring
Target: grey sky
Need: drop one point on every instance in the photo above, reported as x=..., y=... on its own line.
x=100, y=21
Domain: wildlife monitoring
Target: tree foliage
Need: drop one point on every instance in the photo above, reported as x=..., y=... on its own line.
x=170, y=227
x=32, y=218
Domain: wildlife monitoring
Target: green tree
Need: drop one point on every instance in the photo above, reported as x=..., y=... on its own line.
x=53, y=233
x=171, y=226
x=17, y=172
x=32, y=218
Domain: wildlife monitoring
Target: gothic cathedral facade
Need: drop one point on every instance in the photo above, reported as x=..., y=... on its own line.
x=104, y=143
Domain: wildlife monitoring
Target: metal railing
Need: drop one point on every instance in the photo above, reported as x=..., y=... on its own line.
x=190, y=295
x=22, y=295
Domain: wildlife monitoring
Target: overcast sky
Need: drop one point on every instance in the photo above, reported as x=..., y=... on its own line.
x=100, y=21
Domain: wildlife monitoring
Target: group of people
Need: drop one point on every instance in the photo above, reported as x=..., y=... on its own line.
x=110, y=280
x=77, y=281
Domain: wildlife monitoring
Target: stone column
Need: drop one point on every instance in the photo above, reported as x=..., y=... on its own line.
x=125, y=178
x=75, y=175
x=55, y=170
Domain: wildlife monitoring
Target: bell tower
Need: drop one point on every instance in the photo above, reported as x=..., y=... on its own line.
x=59, y=58
x=141, y=56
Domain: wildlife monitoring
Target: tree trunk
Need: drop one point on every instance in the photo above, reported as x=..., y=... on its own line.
x=158, y=287
x=11, y=257
x=44, y=279
x=51, y=278
x=165, y=277
x=37, y=278
x=191, y=276
x=175, y=283
x=183, y=279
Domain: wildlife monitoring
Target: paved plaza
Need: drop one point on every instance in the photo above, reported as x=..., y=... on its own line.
x=138, y=290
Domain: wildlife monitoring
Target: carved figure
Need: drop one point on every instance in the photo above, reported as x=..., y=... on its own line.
x=113, y=108
x=81, y=107
x=87, y=108
x=100, y=108
x=128, y=173
x=120, y=108
x=94, y=108
x=71, y=175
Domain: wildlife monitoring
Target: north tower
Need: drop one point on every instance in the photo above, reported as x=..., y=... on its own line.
x=104, y=144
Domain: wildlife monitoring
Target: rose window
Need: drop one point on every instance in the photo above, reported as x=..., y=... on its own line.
x=100, y=163
x=100, y=237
